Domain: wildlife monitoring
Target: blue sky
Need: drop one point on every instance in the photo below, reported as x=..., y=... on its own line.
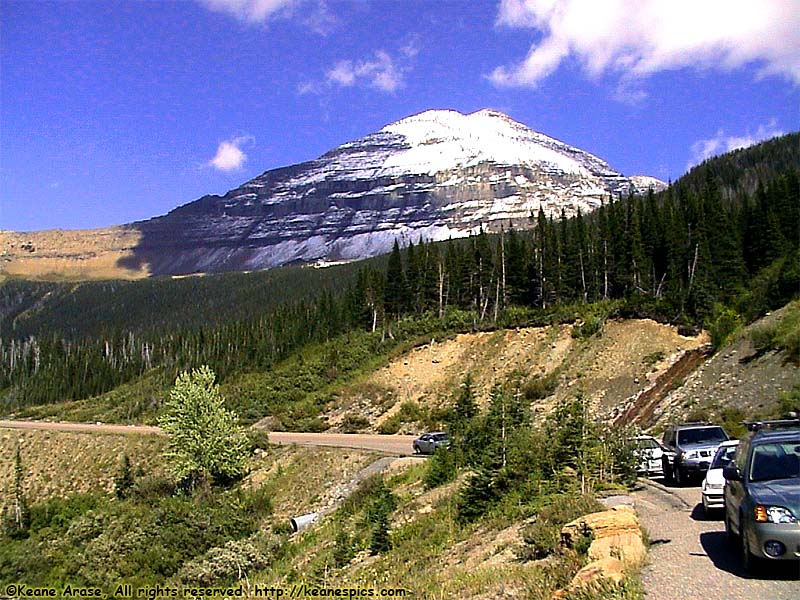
x=112, y=112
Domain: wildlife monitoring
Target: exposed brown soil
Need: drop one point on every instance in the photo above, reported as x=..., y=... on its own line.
x=72, y=255
x=609, y=369
x=735, y=378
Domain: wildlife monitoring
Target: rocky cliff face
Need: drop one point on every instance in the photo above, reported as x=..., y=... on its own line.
x=436, y=175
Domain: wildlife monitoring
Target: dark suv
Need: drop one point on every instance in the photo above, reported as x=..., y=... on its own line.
x=690, y=448
x=762, y=493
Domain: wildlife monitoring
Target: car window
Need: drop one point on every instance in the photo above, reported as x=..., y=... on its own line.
x=646, y=444
x=723, y=457
x=704, y=435
x=775, y=461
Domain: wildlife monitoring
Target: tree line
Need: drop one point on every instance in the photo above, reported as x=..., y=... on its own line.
x=709, y=241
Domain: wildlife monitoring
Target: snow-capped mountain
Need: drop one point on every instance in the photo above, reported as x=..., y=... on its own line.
x=435, y=175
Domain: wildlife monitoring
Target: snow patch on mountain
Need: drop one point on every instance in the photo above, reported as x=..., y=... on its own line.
x=436, y=175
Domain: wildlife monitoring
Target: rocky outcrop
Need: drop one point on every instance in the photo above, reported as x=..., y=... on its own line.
x=436, y=175
x=616, y=546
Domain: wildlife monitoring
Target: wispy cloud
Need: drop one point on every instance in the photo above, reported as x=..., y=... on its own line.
x=230, y=156
x=382, y=72
x=314, y=14
x=635, y=38
x=722, y=142
x=252, y=11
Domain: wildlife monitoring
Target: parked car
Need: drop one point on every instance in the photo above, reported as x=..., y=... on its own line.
x=430, y=442
x=762, y=493
x=689, y=450
x=714, y=482
x=649, y=452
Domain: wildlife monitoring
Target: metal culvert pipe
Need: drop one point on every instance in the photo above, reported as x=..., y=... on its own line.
x=303, y=521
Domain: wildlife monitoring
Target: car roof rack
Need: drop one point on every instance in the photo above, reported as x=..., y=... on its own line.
x=778, y=424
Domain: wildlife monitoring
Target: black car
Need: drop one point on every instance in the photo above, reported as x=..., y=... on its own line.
x=430, y=442
x=762, y=493
x=689, y=450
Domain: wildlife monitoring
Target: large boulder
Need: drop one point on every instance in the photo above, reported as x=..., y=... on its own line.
x=616, y=545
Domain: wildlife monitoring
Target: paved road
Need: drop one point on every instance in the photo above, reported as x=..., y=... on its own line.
x=397, y=445
x=690, y=558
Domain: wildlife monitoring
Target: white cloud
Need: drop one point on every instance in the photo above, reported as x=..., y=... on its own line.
x=721, y=143
x=314, y=14
x=635, y=38
x=382, y=72
x=229, y=156
x=252, y=11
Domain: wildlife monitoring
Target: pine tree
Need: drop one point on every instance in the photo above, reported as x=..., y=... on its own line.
x=124, y=481
x=396, y=294
x=17, y=517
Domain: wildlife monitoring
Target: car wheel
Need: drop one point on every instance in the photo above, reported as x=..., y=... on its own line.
x=668, y=478
x=680, y=476
x=730, y=536
x=750, y=563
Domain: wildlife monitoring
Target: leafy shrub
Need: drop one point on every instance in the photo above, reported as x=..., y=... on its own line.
x=353, y=423
x=725, y=322
x=231, y=562
x=153, y=487
x=653, y=358
x=539, y=388
x=409, y=412
x=591, y=326
x=542, y=537
x=257, y=502
x=731, y=421
x=258, y=438
x=58, y=513
x=440, y=468
x=788, y=402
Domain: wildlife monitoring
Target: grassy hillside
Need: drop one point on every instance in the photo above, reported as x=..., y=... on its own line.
x=419, y=527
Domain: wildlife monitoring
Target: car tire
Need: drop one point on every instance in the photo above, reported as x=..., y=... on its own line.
x=668, y=478
x=730, y=536
x=750, y=563
x=680, y=476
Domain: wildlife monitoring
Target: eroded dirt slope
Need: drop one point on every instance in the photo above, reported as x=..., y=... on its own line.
x=735, y=378
x=608, y=368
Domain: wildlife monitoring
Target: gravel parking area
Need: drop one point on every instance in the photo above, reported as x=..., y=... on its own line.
x=690, y=558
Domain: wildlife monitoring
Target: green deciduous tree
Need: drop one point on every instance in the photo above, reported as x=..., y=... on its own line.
x=206, y=441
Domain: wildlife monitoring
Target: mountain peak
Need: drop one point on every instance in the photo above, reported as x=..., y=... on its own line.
x=435, y=175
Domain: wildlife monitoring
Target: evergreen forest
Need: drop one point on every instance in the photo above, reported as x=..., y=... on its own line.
x=720, y=245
